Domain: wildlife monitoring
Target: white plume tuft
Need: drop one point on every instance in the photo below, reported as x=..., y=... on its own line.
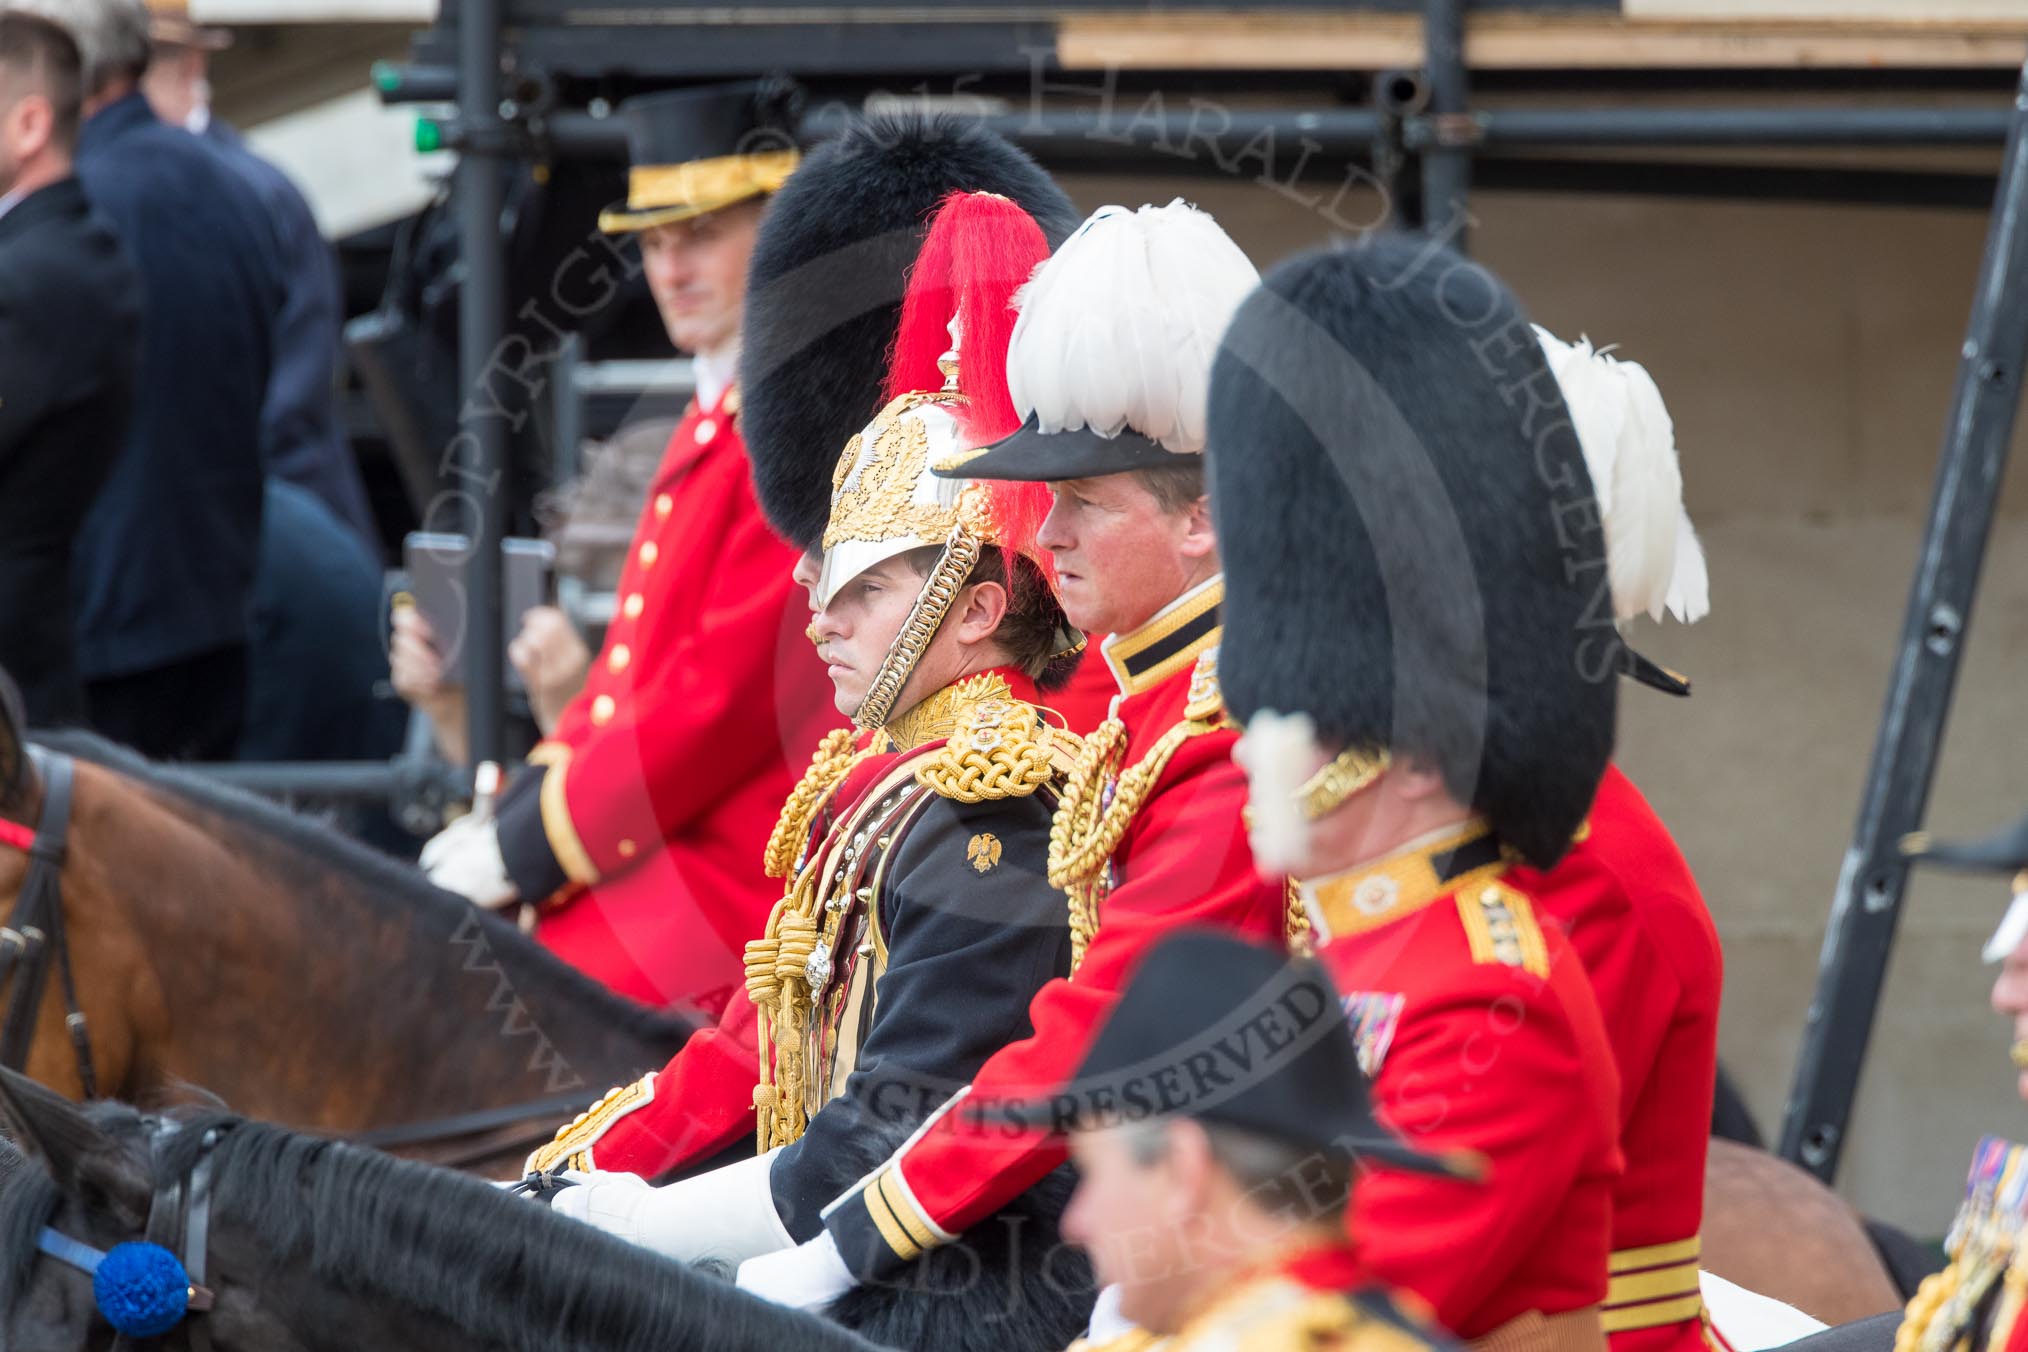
x=1119, y=326
x=1279, y=753
x=1652, y=555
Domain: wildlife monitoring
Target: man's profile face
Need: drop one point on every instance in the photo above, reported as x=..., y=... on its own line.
x=696, y=271
x=1121, y=1216
x=2010, y=997
x=1116, y=551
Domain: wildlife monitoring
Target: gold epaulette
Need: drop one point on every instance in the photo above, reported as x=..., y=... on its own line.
x=1001, y=748
x=835, y=756
x=1089, y=825
x=1500, y=924
x=571, y=1148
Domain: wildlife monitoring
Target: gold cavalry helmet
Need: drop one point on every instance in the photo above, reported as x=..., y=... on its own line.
x=947, y=391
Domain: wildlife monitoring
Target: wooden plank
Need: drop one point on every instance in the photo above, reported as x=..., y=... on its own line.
x=1342, y=41
x=1845, y=11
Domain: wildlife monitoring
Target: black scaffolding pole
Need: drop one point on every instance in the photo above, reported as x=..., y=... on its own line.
x=482, y=443
x=1447, y=158
x=1867, y=904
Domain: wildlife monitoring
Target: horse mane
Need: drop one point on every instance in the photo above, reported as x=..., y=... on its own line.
x=313, y=854
x=501, y=1268
x=28, y=1198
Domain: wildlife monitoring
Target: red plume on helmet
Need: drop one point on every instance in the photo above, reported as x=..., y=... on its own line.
x=981, y=249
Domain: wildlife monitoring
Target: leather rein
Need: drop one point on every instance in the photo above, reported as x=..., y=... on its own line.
x=34, y=939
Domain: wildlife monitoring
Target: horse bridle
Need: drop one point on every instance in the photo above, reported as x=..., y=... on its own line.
x=34, y=935
x=179, y=1222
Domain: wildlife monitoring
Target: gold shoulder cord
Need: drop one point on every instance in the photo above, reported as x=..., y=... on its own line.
x=1088, y=826
x=1000, y=749
x=1296, y=920
x=789, y=965
x=828, y=768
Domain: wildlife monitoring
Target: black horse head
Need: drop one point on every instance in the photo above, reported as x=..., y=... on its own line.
x=317, y=1245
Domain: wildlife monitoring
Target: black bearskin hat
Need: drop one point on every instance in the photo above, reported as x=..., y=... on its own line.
x=825, y=284
x=1411, y=546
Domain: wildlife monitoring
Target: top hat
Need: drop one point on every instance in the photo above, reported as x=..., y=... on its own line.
x=697, y=150
x=1225, y=1031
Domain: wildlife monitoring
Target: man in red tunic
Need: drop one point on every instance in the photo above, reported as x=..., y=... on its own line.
x=1148, y=836
x=1624, y=894
x=1405, y=622
x=637, y=824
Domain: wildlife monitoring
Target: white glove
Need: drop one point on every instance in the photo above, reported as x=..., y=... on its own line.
x=807, y=1277
x=464, y=858
x=1107, y=1323
x=725, y=1216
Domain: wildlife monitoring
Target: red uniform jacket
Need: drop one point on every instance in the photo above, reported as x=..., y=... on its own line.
x=1632, y=911
x=1183, y=860
x=994, y=925
x=642, y=828
x=1480, y=1032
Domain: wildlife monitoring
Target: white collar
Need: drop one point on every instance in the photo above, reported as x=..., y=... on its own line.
x=715, y=372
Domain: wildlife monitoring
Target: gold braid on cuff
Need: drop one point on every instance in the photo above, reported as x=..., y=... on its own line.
x=939, y=591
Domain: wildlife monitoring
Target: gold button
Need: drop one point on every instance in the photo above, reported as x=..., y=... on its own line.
x=664, y=504
x=617, y=659
x=706, y=430
x=602, y=710
x=648, y=554
x=633, y=605
x=627, y=848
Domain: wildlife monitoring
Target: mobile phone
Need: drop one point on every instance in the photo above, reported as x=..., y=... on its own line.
x=435, y=562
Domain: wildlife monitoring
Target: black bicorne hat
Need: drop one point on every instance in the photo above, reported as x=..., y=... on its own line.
x=699, y=149
x=825, y=284
x=2004, y=851
x=1403, y=511
x=1222, y=1030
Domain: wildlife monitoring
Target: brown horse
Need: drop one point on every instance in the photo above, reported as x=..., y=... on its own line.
x=223, y=943
x=1775, y=1229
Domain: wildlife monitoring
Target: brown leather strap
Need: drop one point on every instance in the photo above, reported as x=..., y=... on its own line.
x=1571, y=1331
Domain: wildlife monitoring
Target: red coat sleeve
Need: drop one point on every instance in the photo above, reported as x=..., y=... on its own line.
x=703, y=721
x=1184, y=861
x=694, y=1107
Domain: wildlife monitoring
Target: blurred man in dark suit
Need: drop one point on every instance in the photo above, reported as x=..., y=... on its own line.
x=301, y=434
x=166, y=561
x=69, y=314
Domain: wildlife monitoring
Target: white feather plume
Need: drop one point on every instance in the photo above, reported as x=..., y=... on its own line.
x=1279, y=753
x=1653, y=558
x=1119, y=326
